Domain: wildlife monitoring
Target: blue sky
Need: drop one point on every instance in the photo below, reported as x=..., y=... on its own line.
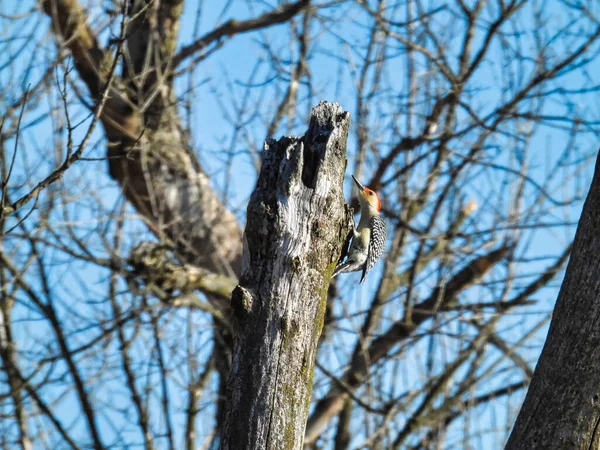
x=220, y=82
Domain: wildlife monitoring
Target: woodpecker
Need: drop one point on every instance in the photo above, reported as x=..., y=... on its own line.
x=368, y=240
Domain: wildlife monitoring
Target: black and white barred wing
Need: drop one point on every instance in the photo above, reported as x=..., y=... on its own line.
x=376, y=243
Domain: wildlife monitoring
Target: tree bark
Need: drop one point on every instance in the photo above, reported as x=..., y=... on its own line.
x=296, y=224
x=562, y=406
x=148, y=151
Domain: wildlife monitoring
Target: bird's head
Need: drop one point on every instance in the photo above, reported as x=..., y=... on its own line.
x=367, y=197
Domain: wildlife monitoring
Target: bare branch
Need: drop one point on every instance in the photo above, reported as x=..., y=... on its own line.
x=232, y=27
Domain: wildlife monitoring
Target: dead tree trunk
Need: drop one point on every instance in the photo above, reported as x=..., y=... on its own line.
x=562, y=407
x=296, y=225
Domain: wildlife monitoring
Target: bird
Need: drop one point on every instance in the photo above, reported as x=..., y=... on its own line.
x=368, y=240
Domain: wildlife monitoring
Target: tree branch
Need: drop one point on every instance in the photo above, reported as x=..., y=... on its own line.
x=232, y=27
x=357, y=373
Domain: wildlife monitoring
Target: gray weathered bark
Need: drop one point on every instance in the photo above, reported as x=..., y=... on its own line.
x=562, y=406
x=148, y=153
x=296, y=225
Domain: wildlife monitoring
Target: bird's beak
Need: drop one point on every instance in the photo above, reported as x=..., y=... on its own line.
x=361, y=188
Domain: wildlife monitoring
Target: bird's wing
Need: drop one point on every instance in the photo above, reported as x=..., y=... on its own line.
x=376, y=243
x=346, y=247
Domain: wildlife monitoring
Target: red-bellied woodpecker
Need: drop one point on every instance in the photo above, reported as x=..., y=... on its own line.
x=368, y=240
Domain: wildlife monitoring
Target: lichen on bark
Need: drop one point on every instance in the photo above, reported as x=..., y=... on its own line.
x=296, y=225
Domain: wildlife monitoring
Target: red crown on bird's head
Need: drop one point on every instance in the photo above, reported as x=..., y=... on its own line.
x=372, y=198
